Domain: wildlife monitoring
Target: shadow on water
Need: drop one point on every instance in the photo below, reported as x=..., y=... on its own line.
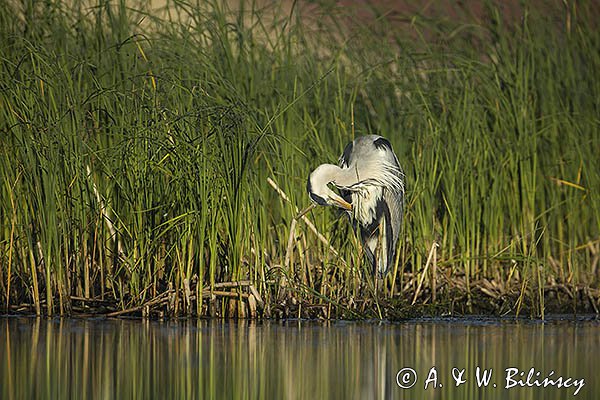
x=214, y=359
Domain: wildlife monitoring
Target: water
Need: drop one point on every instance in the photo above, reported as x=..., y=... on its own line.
x=41, y=358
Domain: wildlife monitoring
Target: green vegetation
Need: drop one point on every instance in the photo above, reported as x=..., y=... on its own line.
x=135, y=153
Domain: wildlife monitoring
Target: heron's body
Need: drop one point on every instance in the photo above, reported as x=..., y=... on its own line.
x=371, y=184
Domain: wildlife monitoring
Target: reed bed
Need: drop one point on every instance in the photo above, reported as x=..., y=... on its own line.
x=137, y=152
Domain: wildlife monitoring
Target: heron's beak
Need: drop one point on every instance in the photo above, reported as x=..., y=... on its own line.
x=341, y=203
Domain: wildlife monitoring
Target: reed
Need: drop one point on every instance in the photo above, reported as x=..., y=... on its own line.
x=136, y=150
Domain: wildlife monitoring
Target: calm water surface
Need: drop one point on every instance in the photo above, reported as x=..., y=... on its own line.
x=125, y=359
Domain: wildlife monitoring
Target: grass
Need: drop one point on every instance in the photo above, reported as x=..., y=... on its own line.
x=135, y=153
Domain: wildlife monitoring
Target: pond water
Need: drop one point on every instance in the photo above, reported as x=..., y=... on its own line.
x=70, y=358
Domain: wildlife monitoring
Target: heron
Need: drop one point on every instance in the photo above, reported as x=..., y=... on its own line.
x=370, y=181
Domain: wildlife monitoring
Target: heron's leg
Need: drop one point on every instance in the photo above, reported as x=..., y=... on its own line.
x=380, y=257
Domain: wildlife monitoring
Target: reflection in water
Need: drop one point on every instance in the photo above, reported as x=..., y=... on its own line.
x=213, y=359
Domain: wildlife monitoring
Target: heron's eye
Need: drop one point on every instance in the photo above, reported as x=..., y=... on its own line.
x=318, y=199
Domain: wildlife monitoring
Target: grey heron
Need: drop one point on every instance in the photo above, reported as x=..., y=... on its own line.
x=371, y=185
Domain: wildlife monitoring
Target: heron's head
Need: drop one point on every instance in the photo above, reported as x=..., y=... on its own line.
x=318, y=187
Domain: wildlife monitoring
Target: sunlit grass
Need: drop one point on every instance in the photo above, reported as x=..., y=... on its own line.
x=135, y=152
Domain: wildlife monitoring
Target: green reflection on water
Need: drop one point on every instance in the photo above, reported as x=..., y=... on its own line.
x=212, y=359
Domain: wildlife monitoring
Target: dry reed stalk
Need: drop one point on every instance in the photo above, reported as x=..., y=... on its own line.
x=36, y=291
x=252, y=306
x=308, y=223
x=429, y=258
x=10, y=246
x=188, y=295
x=257, y=297
x=591, y=299
x=218, y=293
x=521, y=296
x=433, y=275
x=162, y=298
x=169, y=297
x=232, y=284
x=49, y=297
x=89, y=300
x=290, y=245
x=488, y=292
x=109, y=224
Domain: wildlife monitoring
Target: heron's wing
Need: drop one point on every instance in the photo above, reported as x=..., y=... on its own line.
x=379, y=234
x=344, y=162
x=395, y=204
x=345, y=158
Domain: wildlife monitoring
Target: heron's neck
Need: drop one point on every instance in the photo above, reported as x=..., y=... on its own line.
x=340, y=177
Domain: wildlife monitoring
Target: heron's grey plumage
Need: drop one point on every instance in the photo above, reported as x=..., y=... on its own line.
x=371, y=180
